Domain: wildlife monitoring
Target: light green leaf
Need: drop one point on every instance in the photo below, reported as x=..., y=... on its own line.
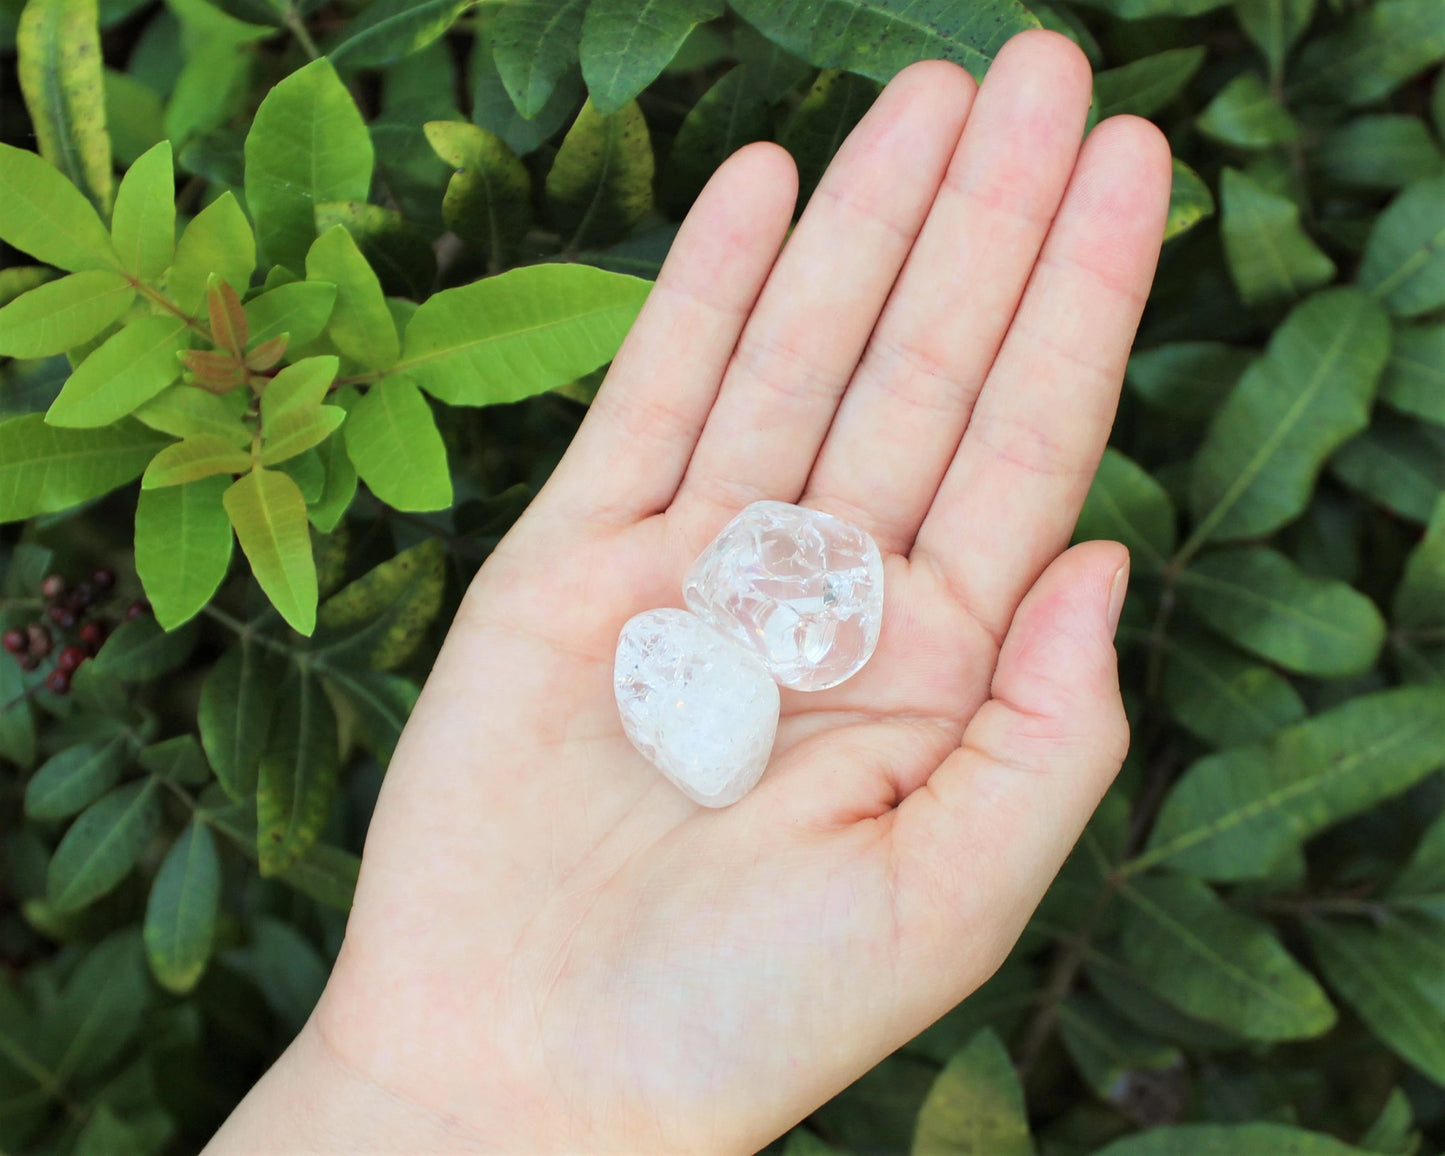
x=511, y=336
x=1127, y=505
x=400, y=252
x=393, y=440
x=218, y=240
x=140, y=649
x=387, y=30
x=827, y=114
x=877, y=38
x=45, y=470
x=627, y=43
x=210, y=89
x=301, y=386
x=1246, y=115
x=600, y=184
x=1253, y=1139
x=975, y=1106
x=129, y=369
x=535, y=43
x=307, y=145
x=360, y=325
x=237, y=703
x=102, y=845
x=1261, y=601
x=1190, y=201
x=1217, y=964
x=1415, y=375
x=44, y=215
x=488, y=201
x=1378, y=152
x=269, y=514
x=1371, y=54
x=182, y=547
x=299, y=430
x=197, y=457
x=184, y=411
x=730, y=114
x=205, y=21
x=379, y=620
x=59, y=67
x=1234, y=815
x=300, y=309
x=1393, y=1131
x=1223, y=697
x=1399, y=464
x=1270, y=256
x=1292, y=408
x=72, y=780
x=298, y=774
x=1420, y=598
x=60, y=315
x=1186, y=379
x=1144, y=86
x=1109, y=1051
x=143, y=227
x=1274, y=26
x=134, y=117
x=180, y=919
x=1404, y=262
x=1389, y=972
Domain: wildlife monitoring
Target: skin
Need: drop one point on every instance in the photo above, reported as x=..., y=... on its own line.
x=552, y=949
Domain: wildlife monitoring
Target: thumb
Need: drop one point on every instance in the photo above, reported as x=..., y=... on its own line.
x=980, y=844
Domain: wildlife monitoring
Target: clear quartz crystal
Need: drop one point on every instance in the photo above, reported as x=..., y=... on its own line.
x=700, y=707
x=802, y=589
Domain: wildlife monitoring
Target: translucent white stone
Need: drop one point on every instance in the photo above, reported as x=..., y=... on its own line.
x=700, y=707
x=802, y=589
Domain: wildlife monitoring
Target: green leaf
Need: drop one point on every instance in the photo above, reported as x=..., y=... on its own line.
x=269, y=514
x=143, y=227
x=627, y=43
x=1261, y=601
x=1144, y=86
x=1246, y=115
x=1404, y=262
x=730, y=114
x=1378, y=152
x=299, y=387
x=1414, y=379
x=237, y=703
x=102, y=1007
x=18, y=279
x=493, y=109
x=182, y=547
x=535, y=44
x=105, y=1134
x=180, y=919
x=1424, y=872
x=1190, y=201
x=59, y=69
x=180, y=760
x=600, y=184
x=1186, y=379
x=1389, y=972
x=1371, y=54
x=1221, y=696
x=1420, y=598
x=72, y=780
x=1270, y=256
x=1127, y=505
x=520, y=333
x=387, y=30
x=393, y=440
x=1109, y=1051
x=307, y=145
x=300, y=309
x=201, y=456
x=209, y=91
x=285, y=966
x=1265, y=1139
x=1274, y=26
x=141, y=649
x=299, y=430
x=327, y=874
x=771, y=70
x=360, y=325
x=44, y=215
x=400, y=252
x=1398, y=464
x=1234, y=815
x=379, y=703
x=975, y=1106
x=62, y=314
x=1292, y=408
x=877, y=38
x=45, y=470
x=1216, y=964
x=184, y=411
x=339, y=489
x=17, y=719
x=827, y=114
x=129, y=369
x=488, y=200
x=379, y=620
x=298, y=774
x=102, y=845
x=134, y=117
x=218, y=240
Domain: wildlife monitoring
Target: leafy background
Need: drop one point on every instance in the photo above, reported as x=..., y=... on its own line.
x=335, y=282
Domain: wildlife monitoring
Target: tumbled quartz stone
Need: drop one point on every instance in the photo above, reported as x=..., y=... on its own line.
x=803, y=589
x=700, y=707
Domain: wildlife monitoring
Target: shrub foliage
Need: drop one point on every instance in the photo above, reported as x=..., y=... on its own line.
x=335, y=282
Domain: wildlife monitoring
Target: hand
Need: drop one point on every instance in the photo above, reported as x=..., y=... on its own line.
x=552, y=949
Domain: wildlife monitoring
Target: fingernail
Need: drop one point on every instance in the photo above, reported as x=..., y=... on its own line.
x=1117, y=590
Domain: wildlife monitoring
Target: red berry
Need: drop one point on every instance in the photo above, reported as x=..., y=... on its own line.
x=138, y=609
x=15, y=641
x=81, y=597
x=103, y=578
x=39, y=640
x=58, y=680
x=62, y=616
x=53, y=586
x=69, y=658
x=27, y=661
x=92, y=634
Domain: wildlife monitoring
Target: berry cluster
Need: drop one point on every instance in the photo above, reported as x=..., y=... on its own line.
x=69, y=610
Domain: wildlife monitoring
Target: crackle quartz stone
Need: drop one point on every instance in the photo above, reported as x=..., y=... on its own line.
x=802, y=589
x=700, y=707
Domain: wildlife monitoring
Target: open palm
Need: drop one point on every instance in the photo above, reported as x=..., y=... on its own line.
x=551, y=947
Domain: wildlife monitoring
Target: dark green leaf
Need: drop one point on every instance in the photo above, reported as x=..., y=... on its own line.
x=297, y=775
x=1223, y=697
x=1399, y=464
x=1144, y=86
x=400, y=253
x=44, y=469
x=286, y=967
x=1127, y=505
x=627, y=43
x=17, y=719
x=1190, y=201
x=535, y=44
x=1245, y=114
x=327, y=874
x=72, y=780
x=492, y=107
x=976, y=1106
x=1393, y=1131
x=102, y=845
x=179, y=759
x=387, y=30
x=835, y=103
x=1375, y=51
x=1186, y=379
x=101, y=1009
x=1270, y=256
x=379, y=620
x=1254, y=1139
x=1107, y=1049
x=1420, y=598
x=237, y=703
x=1378, y=152
x=1404, y=263
x=379, y=704
x=142, y=649
x=1414, y=379
x=600, y=184
x=1274, y=26
x=488, y=200
x=730, y=114
x=182, y=547
x=180, y=919
x=60, y=315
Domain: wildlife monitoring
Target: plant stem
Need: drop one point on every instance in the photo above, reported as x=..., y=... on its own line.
x=297, y=27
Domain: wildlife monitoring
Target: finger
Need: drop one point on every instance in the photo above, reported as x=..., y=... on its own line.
x=630, y=453
x=1010, y=499
x=977, y=845
x=813, y=317
x=906, y=407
